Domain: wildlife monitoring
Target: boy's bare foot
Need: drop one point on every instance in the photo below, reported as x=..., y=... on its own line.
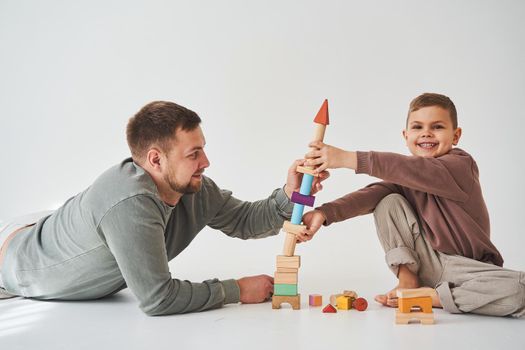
x=390, y=298
x=407, y=280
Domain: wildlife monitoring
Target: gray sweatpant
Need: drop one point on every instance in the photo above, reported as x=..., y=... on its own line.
x=463, y=284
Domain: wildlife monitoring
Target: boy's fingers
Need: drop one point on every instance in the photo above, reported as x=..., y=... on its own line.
x=321, y=168
x=312, y=154
x=314, y=161
x=317, y=144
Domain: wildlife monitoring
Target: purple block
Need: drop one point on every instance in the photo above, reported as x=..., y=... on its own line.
x=303, y=199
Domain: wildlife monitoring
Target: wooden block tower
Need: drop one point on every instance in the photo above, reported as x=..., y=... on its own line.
x=414, y=304
x=285, y=279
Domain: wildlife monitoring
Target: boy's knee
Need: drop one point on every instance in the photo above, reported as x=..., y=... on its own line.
x=504, y=296
x=387, y=204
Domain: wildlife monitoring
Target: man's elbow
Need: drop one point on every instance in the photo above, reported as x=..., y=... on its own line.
x=158, y=310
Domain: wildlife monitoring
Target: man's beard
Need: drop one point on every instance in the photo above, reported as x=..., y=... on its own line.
x=182, y=188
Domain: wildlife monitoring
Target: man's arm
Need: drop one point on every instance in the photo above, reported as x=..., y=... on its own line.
x=257, y=219
x=265, y=217
x=134, y=232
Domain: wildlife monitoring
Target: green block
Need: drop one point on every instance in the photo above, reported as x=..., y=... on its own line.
x=285, y=289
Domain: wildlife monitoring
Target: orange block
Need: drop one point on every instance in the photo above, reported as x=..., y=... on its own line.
x=423, y=303
x=315, y=300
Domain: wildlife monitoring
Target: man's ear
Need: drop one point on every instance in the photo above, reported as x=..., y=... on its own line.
x=457, y=136
x=153, y=159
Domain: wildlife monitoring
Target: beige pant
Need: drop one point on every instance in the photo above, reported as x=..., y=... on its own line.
x=463, y=284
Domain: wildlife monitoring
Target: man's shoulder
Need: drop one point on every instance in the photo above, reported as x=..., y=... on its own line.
x=122, y=181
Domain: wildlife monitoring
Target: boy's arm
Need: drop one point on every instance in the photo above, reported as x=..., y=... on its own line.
x=449, y=176
x=360, y=202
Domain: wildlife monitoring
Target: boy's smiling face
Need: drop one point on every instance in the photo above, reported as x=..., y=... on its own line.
x=430, y=132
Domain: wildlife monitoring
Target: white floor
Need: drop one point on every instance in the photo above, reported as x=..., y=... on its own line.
x=117, y=323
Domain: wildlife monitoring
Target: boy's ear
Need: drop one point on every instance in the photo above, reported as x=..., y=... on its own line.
x=405, y=134
x=457, y=136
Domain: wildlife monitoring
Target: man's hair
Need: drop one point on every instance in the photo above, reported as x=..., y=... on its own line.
x=155, y=125
x=430, y=99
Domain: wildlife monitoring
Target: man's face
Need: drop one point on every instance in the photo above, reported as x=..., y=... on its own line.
x=186, y=162
x=430, y=132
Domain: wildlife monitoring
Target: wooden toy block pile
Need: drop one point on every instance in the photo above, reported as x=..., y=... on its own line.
x=346, y=301
x=414, y=304
x=286, y=274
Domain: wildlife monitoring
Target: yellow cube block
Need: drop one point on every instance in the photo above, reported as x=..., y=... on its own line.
x=344, y=302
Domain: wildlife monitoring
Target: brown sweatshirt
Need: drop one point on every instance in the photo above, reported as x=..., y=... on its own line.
x=445, y=193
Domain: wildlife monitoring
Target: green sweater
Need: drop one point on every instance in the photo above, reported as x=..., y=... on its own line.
x=119, y=233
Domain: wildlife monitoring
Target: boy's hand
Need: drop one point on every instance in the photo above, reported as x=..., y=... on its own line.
x=293, y=182
x=324, y=156
x=255, y=289
x=313, y=220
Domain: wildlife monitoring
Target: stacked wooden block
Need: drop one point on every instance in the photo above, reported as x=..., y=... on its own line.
x=285, y=282
x=286, y=275
x=415, y=304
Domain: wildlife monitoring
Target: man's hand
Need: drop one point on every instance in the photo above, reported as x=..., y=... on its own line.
x=293, y=182
x=313, y=220
x=255, y=289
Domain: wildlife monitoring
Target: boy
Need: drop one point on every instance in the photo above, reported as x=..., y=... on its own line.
x=429, y=213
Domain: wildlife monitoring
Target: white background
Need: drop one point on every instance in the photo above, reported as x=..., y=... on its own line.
x=73, y=72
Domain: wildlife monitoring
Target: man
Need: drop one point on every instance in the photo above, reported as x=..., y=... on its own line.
x=137, y=216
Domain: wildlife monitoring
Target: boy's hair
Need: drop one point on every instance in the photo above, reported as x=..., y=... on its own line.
x=430, y=99
x=155, y=125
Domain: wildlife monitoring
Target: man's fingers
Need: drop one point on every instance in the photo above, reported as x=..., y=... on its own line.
x=269, y=278
x=296, y=163
x=301, y=237
x=323, y=175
